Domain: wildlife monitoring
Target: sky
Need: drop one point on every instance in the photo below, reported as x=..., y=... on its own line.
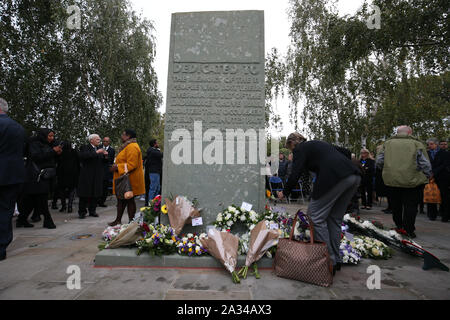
x=276, y=32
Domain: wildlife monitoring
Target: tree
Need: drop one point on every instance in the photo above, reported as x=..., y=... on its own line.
x=352, y=79
x=99, y=78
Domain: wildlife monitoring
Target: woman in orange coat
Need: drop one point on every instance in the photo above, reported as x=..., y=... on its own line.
x=129, y=155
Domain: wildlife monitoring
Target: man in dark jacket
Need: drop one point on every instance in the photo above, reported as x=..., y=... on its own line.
x=90, y=183
x=154, y=169
x=108, y=175
x=439, y=159
x=336, y=182
x=368, y=166
x=12, y=173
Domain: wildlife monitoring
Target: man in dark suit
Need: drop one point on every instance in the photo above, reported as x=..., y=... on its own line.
x=12, y=173
x=108, y=175
x=90, y=183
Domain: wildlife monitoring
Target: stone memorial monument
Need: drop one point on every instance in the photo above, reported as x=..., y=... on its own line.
x=214, y=141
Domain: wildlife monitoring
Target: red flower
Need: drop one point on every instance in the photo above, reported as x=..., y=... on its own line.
x=228, y=230
x=146, y=228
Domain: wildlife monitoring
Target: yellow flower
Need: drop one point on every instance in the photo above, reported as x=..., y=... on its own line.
x=164, y=209
x=375, y=252
x=268, y=194
x=190, y=249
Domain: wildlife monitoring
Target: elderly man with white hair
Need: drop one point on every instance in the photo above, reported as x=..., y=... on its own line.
x=406, y=167
x=90, y=182
x=12, y=173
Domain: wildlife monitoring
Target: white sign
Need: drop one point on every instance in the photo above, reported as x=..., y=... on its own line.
x=274, y=226
x=197, y=222
x=246, y=206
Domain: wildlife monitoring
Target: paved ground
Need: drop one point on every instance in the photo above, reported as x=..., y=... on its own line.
x=38, y=259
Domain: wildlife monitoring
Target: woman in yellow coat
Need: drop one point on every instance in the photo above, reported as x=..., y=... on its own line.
x=129, y=154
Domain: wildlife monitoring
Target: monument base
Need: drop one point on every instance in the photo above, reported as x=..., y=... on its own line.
x=126, y=257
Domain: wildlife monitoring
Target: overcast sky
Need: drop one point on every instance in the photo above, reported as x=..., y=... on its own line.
x=276, y=30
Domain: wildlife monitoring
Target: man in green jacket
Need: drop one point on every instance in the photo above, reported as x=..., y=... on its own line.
x=406, y=167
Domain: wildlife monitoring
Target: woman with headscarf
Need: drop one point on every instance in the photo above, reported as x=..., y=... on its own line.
x=40, y=170
x=67, y=172
x=129, y=158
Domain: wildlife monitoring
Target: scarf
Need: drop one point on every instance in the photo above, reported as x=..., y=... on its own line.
x=133, y=140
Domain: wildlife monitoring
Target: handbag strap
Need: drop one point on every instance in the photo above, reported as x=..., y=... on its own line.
x=311, y=228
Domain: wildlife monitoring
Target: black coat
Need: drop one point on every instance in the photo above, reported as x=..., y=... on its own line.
x=368, y=166
x=90, y=182
x=12, y=140
x=282, y=168
x=441, y=167
x=41, y=152
x=329, y=165
x=153, y=162
x=108, y=175
x=68, y=169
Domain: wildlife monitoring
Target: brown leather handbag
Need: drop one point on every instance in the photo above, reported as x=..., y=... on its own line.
x=123, y=186
x=304, y=261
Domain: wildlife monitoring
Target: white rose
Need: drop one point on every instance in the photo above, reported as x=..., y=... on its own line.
x=252, y=227
x=228, y=216
x=230, y=208
x=230, y=223
x=243, y=217
x=189, y=235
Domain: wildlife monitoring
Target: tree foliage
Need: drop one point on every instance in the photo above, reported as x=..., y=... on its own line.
x=95, y=79
x=355, y=83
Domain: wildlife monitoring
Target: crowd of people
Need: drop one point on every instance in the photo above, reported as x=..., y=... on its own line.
x=37, y=168
x=402, y=168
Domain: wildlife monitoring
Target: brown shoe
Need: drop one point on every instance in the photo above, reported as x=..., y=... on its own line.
x=114, y=223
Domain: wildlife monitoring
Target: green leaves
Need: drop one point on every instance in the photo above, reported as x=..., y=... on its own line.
x=351, y=83
x=99, y=78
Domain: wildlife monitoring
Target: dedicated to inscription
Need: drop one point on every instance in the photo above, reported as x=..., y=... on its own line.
x=217, y=93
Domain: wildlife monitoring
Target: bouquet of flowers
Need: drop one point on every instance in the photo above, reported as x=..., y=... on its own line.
x=191, y=245
x=370, y=248
x=159, y=240
x=181, y=211
x=233, y=214
x=224, y=247
x=348, y=254
x=127, y=235
x=261, y=239
x=151, y=212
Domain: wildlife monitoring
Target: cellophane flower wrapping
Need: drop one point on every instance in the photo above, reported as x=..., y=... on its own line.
x=180, y=211
x=223, y=246
x=261, y=240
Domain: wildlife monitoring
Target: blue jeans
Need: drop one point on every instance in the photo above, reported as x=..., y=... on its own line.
x=155, y=186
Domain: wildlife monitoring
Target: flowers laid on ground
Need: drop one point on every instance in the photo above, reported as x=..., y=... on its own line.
x=111, y=232
x=223, y=246
x=152, y=211
x=262, y=238
x=349, y=255
x=191, y=245
x=369, y=247
x=233, y=214
x=159, y=240
x=181, y=210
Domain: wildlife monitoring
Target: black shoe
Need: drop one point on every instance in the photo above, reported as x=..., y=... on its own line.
x=412, y=235
x=63, y=209
x=35, y=219
x=444, y=220
x=93, y=215
x=49, y=224
x=24, y=224
x=81, y=216
x=2, y=256
x=338, y=266
x=102, y=205
x=369, y=208
x=432, y=219
x=69, y=210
